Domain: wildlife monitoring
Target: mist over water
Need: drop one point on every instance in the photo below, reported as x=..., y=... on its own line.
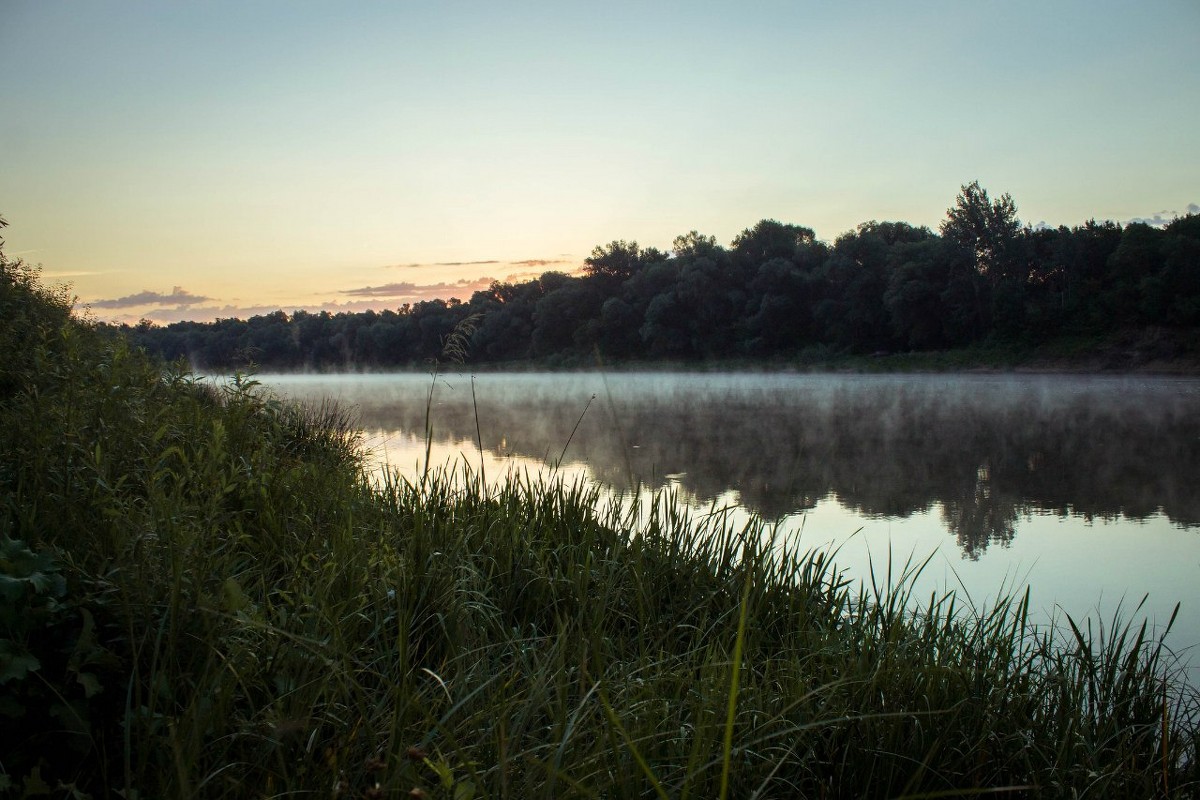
x=1084, y=487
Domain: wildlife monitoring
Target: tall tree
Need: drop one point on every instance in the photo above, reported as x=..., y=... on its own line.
x=992, y=266
x=988, y=229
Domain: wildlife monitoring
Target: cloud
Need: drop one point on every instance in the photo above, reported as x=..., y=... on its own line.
x=522, y=277
x=442, y=264
x=183, y=306
x=538, y=262
x=1156, y=221
x=1161, y=219
x=187, y=306
x=386, y=290
x=178, y=297
x=368, y=298
x=413, y=292
x=528, y=262
x=70, y=273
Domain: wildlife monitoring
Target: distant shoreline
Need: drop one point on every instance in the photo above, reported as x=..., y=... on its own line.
x=1150, y=353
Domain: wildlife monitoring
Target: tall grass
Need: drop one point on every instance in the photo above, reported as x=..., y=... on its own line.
x=205, y=595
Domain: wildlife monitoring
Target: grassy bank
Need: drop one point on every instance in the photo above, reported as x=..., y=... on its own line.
x=204, y=595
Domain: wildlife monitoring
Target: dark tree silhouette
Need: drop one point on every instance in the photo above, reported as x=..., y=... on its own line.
x=775, y=291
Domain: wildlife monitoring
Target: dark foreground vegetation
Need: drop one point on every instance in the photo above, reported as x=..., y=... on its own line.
x=998, y=293
x=202, y=594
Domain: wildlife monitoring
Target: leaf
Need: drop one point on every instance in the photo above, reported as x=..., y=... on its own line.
x=34, y=785
x=232, y=596
x=11, y=589
x=444, y=772
x=17, y=559
x=51, y=583
x=90, y=683
x=15, y=662
x=21, y=567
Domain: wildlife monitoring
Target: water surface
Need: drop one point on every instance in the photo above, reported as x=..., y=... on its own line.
x=1084, y=489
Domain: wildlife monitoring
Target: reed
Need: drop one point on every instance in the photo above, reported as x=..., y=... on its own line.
x=205, y=594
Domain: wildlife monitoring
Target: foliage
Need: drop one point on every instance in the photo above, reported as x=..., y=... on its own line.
x=33, y=317
x=988, y=229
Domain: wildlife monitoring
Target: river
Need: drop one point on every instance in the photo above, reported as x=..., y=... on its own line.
x=1086, y=490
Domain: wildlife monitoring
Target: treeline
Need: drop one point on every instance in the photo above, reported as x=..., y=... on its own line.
x=775, y=292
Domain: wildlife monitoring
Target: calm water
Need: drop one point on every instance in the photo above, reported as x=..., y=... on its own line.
x=1085, y=489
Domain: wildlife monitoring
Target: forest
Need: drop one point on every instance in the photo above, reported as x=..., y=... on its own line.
x=775, y=293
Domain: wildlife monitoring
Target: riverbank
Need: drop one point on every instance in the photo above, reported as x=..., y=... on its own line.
x=1156, y=351
x=206, y=595
x=1150, y=351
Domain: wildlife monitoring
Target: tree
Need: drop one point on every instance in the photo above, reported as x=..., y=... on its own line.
x=694, y=244
x=1133, y=268
x=561, y=317
x=1181, y=270
x=988, y=229
x=1081, y=254
x=713, y=296
x=664, y=329
x=771, y=239
x=988, y=282
x=617, y=260
x=780, y=307
x=915, y=298
x=30, y=312
x=618, y=330
x=851, y=312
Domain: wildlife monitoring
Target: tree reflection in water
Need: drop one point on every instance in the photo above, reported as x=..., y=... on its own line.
x=986, y=450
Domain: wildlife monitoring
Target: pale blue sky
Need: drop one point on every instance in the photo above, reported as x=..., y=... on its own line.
x=267, y=154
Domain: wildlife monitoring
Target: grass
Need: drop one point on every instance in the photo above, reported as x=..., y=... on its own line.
x=205, y=595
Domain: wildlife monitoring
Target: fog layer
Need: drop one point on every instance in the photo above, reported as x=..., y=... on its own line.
x=983, y=449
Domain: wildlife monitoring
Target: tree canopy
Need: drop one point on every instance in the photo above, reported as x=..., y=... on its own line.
x=774, y=291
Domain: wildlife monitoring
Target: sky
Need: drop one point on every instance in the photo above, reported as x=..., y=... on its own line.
x=202, y=160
